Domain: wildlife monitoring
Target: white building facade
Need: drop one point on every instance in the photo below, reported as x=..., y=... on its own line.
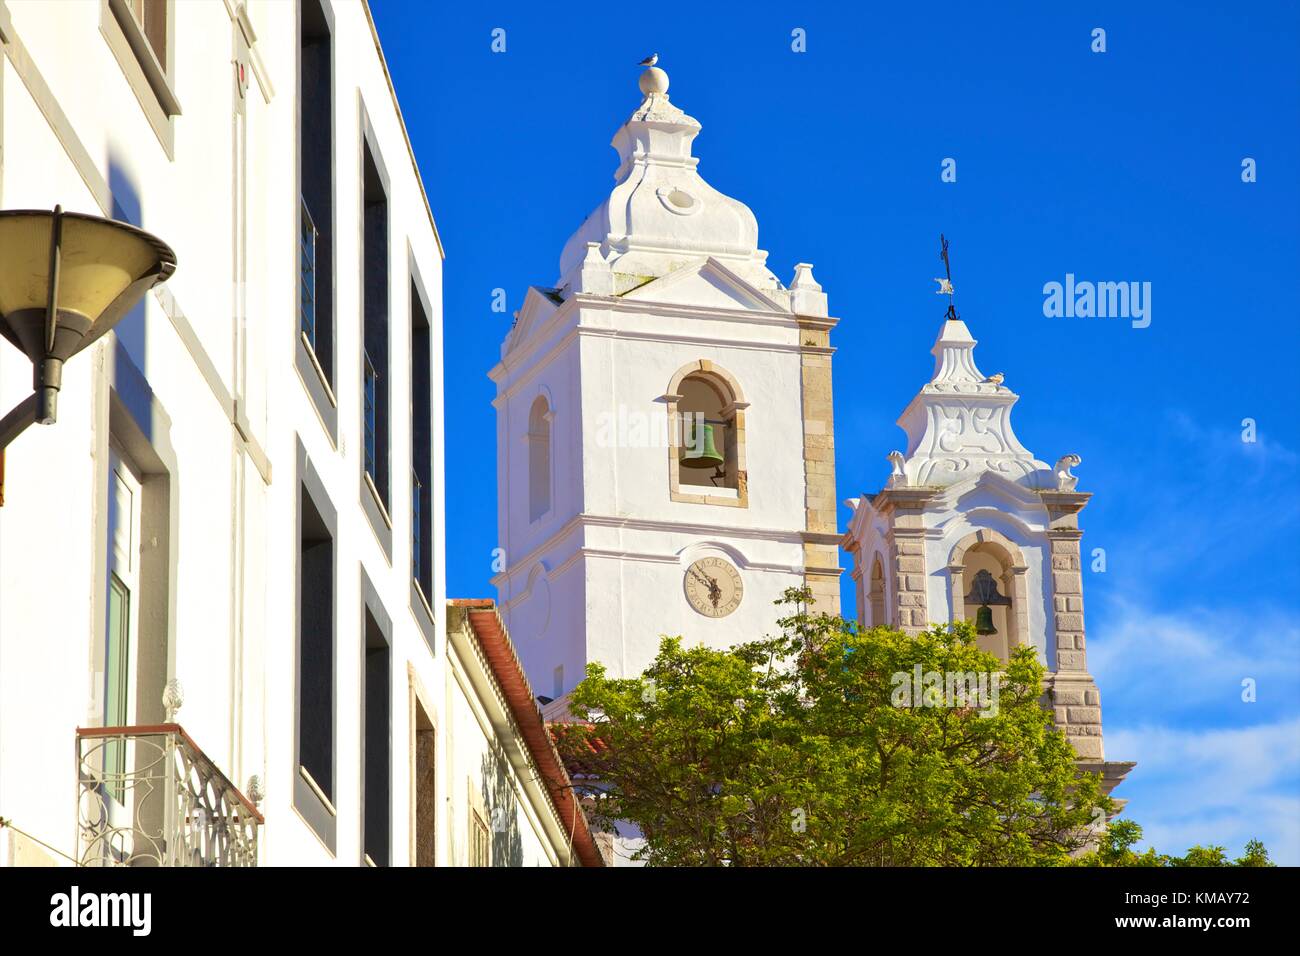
x=665, y=320
x=240, y=509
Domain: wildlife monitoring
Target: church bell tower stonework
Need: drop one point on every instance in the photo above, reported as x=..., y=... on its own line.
x=971, y=526
x=665, y=436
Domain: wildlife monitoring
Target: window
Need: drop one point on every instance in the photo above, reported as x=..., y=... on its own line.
x=316, y=650
x=377, y=755
x=151, y=17
x=130, y=654
x=307, y=236
x=479, y=843
x=370, y=415
x=121, y=635
x=421, y=446
x=139, y=33
x=539, y=458
x=316, y=183
x=375, y=317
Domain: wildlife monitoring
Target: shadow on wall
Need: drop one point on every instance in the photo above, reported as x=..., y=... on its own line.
x=499, y=801
x=128, y=208
x=143, y=495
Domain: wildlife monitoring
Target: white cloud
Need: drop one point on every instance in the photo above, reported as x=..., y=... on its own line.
x=1150, y=663
x=1217, y=786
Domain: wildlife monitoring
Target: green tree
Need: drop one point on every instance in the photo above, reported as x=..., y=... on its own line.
x=1116, y=849
x=807, y=749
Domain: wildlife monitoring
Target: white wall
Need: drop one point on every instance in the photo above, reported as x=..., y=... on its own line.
x=613, y=552
x=228, y=411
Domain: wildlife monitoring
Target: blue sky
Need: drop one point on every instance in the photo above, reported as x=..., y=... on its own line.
x=1114, y=166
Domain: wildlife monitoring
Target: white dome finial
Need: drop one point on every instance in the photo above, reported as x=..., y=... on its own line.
x=653, y=80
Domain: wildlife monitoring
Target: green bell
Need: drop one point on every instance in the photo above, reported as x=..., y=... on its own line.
x=984, y=591
x=701, y=454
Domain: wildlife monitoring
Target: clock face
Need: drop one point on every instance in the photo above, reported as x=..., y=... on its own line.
x=713, y=587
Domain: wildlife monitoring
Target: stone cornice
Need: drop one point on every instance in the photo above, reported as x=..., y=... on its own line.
x=649, y=525
x=905, y=496
x=708, y=340
x=1066, y=502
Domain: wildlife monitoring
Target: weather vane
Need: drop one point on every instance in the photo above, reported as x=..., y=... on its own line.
x=945, y=284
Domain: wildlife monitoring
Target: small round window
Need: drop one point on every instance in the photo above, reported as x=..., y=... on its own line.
x=678, y=200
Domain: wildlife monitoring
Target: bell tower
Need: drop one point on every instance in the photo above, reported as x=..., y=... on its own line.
x=971, y=526
x=665, y=451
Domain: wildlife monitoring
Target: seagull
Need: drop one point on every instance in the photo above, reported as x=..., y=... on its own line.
x=651, y=60
x=945, y=287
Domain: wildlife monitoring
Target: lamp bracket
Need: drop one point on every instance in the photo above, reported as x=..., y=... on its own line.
x=19, y=417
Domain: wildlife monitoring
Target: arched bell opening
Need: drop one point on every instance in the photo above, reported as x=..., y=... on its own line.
x=708, y=435
x=987, y=573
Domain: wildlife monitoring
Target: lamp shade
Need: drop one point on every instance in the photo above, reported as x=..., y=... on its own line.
x=67, y=278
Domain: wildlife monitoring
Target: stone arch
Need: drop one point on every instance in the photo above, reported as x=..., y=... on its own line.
x=710, y=370
x=1012, y=577
x=717, y=393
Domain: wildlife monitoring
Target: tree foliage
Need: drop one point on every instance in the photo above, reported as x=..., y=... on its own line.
x=1116, y=849
x=794, y=750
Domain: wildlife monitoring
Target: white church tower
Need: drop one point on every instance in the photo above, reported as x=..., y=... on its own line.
x=971, y=526
x=665, y=459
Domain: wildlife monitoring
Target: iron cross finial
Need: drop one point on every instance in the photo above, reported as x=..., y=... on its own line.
x=945, y=284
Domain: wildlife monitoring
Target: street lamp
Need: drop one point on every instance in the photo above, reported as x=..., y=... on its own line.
x=66, y=279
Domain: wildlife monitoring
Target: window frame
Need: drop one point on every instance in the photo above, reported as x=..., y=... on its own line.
x=152, y=81
x=311, y=802
x=372, y=610
x=422, y=601
x=378, y=511
x=316, y=378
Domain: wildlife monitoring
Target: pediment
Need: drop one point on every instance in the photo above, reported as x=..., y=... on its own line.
x=706, y=284
x=538, y=307
x=990, y=489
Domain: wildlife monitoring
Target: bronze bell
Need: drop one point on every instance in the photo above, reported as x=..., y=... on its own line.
x=984, y=592
x=701, y=453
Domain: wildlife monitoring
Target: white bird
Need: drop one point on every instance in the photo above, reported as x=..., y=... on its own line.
x=651, y=60
x=945, y=287
x=995, y=378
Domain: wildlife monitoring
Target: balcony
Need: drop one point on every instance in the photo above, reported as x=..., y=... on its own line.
x=148, y=796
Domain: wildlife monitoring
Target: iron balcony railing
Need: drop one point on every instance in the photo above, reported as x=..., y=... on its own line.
x=149, y=796
x=307, y=274
x=370, y=386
